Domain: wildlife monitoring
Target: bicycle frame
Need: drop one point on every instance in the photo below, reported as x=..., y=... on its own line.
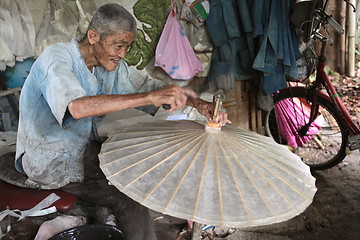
x=322, y=78
x=322, y=81
x=310, y=117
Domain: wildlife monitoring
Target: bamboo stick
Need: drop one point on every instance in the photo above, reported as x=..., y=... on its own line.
x=351, y=39
x=343, y=38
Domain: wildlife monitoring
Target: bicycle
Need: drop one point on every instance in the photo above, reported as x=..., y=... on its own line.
x=318, y=123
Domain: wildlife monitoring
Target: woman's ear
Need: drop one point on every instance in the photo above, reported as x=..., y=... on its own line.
x=93, y=36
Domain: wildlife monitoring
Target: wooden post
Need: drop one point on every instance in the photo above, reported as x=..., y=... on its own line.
x=196, y=232
x=238, y=112
x=342, y=22
x=253, y=104
x=351, y=39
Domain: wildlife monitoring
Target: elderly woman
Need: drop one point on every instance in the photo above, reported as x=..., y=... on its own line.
x=70, y=87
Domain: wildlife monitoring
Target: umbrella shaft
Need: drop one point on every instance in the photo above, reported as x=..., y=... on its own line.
x=216, y=105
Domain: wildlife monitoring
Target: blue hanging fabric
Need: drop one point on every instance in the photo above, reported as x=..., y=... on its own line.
x=279, y=47
x=236, y=26
x=230, y=28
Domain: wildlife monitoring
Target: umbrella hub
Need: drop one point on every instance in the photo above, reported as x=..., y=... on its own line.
x=212, y=127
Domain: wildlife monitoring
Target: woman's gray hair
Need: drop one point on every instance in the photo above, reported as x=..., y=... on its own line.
x=111, y=18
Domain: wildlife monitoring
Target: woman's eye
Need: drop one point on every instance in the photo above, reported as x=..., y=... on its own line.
x=123, y=47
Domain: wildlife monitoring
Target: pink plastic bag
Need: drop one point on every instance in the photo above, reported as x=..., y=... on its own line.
x=174, y=53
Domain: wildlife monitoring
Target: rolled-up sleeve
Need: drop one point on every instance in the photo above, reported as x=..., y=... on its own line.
x=60, y=86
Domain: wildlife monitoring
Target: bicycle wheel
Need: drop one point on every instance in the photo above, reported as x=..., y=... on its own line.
x=324, y=144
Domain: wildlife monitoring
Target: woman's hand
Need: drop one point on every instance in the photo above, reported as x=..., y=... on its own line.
x=172, y=95
x=205, y=108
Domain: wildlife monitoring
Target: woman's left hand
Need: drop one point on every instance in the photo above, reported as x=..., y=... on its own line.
x=205, y=108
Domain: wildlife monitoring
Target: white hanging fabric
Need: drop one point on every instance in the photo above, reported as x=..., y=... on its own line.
x=7, y=37
x=84, y=20
x=17, y=32
x=59, y=24
x=6, y=56
x=28, y=28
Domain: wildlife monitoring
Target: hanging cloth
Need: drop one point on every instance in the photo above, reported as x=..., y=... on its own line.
x=279, y=47
x=230, y=28
x=59, y=24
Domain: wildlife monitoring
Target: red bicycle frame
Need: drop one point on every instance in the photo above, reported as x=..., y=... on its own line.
x=332, y=96
x=322, y=78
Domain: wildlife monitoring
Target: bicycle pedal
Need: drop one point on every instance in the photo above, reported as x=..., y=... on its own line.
x=354, y=142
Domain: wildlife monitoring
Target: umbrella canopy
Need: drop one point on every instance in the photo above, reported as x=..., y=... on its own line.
x=222, y=177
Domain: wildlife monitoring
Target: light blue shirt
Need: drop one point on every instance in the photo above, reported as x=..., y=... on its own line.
x=50, y=143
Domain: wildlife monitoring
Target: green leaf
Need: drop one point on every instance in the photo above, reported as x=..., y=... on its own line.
x=152, y=14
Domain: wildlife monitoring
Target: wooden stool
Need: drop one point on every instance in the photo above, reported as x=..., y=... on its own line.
x=14, y=197
x=14, y=193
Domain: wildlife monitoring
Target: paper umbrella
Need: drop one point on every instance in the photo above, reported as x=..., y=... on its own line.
x=222, y=177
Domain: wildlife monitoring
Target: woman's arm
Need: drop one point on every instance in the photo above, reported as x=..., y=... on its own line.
x=90, y=106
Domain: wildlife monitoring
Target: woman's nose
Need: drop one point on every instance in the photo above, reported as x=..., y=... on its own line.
x=122, y=53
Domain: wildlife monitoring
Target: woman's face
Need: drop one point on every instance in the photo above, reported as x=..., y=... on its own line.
x=110, y=50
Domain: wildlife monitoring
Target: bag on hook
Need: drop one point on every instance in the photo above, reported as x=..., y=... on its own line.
x=174, y=52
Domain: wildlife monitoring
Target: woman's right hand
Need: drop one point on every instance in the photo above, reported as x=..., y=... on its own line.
x=173, y=95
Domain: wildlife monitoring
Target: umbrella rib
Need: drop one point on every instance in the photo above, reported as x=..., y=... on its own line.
x=132, y=165
x=151, y=130
x=185, y=174
x=235, y=181
x=157, y=125
x=219, y=183
x=201, y=181
x=275, y=154
x=139, y=144
x=160, y=139
x=264, y=147
x=113, y=141
x=164, y=160
x=246, y=137
x=197, y=142
x=271, y=184
x=250, y=178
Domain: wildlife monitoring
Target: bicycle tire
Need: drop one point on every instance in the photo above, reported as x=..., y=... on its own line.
x=333, y=138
